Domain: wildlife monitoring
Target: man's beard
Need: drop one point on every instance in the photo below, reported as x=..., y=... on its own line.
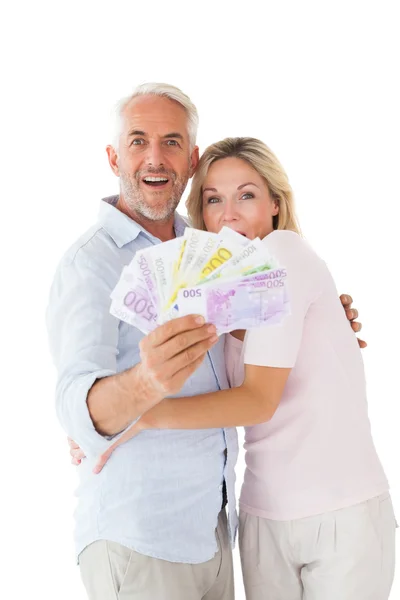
x=135, y=199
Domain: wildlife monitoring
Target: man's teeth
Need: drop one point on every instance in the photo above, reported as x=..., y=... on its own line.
x=154, y=179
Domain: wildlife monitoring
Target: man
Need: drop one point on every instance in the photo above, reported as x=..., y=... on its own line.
x=150, y=525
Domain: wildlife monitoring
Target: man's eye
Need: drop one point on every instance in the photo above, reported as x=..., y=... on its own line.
x=137, y=142
x=172, y=143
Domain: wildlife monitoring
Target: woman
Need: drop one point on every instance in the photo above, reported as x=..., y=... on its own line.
x=316, y=517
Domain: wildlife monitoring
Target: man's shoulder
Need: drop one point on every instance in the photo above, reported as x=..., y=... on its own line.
x=94, y=245
x=94, y=253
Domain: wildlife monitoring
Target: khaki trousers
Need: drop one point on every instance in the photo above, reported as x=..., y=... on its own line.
x=113, y=572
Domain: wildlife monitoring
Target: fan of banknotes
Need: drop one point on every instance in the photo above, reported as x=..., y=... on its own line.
x=232, y=281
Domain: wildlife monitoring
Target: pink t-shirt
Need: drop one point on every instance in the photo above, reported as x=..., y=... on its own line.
x=316, y=454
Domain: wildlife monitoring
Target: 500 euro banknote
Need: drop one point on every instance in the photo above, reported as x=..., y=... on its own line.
x=131, y=301
x=244, y=303
x=203, y=253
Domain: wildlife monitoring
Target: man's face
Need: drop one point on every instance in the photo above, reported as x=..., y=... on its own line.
x=153, y=160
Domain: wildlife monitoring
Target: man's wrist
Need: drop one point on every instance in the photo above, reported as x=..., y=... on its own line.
x=147, y=391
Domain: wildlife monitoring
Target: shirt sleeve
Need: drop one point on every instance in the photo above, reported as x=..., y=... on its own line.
x=83, y=339
x=278, y=345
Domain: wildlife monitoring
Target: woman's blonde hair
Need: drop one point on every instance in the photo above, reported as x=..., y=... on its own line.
x=258, y=156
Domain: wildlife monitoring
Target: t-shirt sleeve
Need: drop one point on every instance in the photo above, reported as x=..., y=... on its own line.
x=278, y=345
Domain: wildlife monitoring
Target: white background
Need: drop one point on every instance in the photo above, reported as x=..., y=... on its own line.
x=317, y=81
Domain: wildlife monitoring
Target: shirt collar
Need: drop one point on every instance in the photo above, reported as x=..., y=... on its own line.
x=122, y=229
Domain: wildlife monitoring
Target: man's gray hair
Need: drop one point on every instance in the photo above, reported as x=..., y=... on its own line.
x=166, y=91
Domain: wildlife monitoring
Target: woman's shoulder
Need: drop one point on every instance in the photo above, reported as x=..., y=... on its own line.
x=290, y=244
x=285, y=236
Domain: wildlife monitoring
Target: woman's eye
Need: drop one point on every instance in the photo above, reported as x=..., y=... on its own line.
x=247, y=196
x=212, y=200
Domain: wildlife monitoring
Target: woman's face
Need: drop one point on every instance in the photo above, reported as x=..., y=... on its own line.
x=236, y=196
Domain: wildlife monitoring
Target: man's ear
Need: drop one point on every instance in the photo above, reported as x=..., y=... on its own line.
x=194, y=160
x=113, y=159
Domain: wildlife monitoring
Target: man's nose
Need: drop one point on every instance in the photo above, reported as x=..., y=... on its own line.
x=154, y=155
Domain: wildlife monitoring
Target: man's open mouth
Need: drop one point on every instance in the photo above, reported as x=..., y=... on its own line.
x=155, y=181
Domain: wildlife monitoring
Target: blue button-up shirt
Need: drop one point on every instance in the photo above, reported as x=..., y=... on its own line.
x=160, y=493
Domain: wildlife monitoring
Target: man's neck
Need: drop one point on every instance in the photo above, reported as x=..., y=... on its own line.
x=163, y=230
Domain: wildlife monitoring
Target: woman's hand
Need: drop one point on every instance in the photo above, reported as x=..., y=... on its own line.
x=77, y=454
x=129, y=434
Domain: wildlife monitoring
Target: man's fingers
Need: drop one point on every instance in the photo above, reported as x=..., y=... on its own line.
x=182, y=342
x=188, y=356
x=351, y=313
x=361, y=343
x=356, y=326
x=346, y=300
x=168, y=330
x=179, y=379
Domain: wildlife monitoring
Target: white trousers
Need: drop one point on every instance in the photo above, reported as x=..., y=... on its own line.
x=347, y=554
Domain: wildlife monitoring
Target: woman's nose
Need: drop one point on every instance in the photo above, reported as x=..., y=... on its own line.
x=230, y=213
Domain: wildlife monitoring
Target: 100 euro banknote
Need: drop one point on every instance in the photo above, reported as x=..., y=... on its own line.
x=203, y=253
